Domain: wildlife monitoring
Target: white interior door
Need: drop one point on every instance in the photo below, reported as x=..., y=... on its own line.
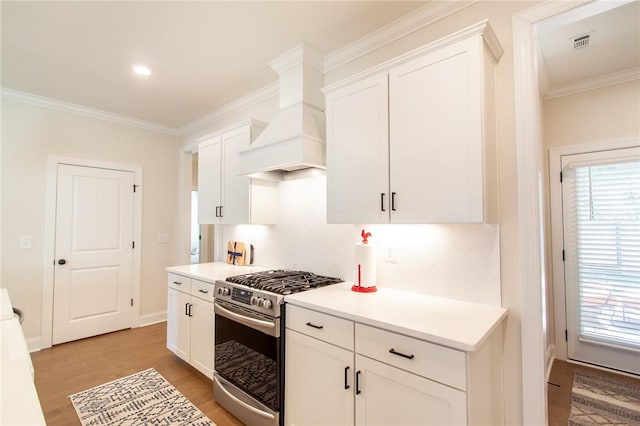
x=93, y=252
x=601, y=221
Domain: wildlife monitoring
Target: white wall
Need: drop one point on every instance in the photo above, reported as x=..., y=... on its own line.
x=29, y=135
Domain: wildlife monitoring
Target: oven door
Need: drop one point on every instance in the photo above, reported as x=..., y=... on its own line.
x=247, y=363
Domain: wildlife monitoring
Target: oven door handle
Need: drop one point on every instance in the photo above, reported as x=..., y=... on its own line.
x=243, y=319
x=244, y=404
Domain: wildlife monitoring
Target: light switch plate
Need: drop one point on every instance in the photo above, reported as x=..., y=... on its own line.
x=163, y=237
x=25, y=242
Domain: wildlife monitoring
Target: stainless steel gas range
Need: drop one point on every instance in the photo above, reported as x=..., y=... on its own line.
x=249, y=348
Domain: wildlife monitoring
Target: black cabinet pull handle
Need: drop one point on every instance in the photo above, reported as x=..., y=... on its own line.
x=393, y=351
x=203, y=291
x=382, y=202
x=190, y=306
x=221, y=215
x=358, y=391
x=319, y=327
x=346, y=384
x=217, y=211
x=393, y=201
x=186, y=309
x=177, y=283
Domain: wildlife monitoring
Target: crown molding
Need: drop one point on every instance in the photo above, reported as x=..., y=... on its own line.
x=399, y=28
x=240, y=104
x=54, y=104
x=618, y=77
x=302, y=53
x=482, y=28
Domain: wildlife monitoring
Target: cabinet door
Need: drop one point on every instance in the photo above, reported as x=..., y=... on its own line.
x=436, y=137
x=390, y=396
x=209, y=180
x=236, y=192
x=319, y=382
x=178, y=330
x=202, y=326
x=358, y=152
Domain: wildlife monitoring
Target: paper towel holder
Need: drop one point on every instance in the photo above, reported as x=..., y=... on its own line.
x=358, y=287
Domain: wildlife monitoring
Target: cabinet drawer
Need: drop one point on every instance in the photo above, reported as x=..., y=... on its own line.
x=202, y=290
x=325, y=327
x=180, y=282
x=426, y=359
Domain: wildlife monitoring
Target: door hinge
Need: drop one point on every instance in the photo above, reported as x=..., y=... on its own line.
x=135, y=187
x=563, y=255
x=132, y=301
x=133, y=244
x=560, y=177
x=566, y=336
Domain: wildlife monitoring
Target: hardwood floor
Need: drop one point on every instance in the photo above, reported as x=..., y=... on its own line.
x=559, y=390
x=72, y=367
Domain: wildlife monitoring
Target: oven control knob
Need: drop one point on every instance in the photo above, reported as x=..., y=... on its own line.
x=225, y=291
x=219, y=290
x=260, y=302
x=254, y=300
x=267, y=304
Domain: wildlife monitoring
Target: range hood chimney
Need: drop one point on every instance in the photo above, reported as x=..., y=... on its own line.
x=294, y=139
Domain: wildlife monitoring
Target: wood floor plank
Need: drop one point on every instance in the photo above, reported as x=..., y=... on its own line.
x=559, y=389
x=72, y=367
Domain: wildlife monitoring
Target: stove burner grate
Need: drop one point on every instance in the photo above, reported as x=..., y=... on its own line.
x=282, y=281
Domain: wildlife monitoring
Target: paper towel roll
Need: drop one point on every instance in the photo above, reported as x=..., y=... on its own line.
x=365, y=265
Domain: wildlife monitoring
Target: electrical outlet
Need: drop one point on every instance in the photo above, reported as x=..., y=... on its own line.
x=163, y=237
x=390, y=254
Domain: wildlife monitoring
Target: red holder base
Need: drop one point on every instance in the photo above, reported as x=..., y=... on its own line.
x=361, y=289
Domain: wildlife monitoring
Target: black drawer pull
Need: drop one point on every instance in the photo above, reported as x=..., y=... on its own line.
x=346, y=385
x=177, y=283
x=319, y=327
x=392, y=351
x=358, y=391
x=203, y=291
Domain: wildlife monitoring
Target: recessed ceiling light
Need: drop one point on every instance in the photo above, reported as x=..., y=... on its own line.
x=141, y=70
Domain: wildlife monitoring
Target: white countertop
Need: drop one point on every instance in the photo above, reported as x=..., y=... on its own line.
x=210, y=272
x=19, y=403
x=448, y=322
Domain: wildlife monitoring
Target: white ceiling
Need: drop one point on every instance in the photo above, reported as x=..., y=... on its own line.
x=203, y=54
x=614, y=30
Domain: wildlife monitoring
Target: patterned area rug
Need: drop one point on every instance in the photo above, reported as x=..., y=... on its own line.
x=599, y=399
x=144, y=398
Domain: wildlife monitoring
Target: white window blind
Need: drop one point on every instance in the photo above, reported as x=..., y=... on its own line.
x=605, y=247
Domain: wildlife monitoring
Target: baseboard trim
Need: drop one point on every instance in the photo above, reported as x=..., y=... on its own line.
x=34, y=344
x=150, y=319
x=549, y=357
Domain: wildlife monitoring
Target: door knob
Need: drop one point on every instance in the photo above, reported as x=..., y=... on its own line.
x=62, y=262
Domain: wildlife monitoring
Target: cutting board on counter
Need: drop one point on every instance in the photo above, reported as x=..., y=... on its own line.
x=239, y=253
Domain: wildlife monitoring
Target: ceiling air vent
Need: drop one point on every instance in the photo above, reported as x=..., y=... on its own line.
x=581, y=42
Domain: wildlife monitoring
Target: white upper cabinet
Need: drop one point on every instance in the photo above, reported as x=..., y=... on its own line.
x=209, y=180
x=358, y=152
x=225, y=196
x=414, y=140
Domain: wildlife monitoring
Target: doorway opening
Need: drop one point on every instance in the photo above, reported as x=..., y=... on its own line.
x=201, y=246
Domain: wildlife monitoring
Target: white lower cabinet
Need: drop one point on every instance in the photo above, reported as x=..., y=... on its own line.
x=190, y=322
x=319, y=382
x=386, y=395
x=382, y=378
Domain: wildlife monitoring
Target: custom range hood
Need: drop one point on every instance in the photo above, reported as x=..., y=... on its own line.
x=292, y=145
